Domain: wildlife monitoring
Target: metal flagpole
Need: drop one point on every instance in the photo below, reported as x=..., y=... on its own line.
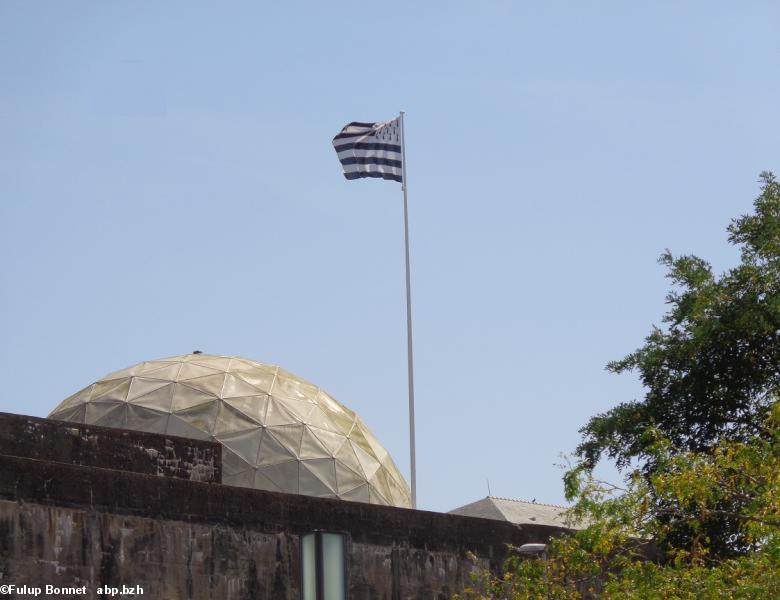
x=408, y=319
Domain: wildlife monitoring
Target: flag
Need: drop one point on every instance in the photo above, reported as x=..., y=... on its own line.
x=371, y=150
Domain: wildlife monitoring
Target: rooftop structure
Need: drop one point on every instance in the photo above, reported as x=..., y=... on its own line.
x=519, y=512
x=278, y=432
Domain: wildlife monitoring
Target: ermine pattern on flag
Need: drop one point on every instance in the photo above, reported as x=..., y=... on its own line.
x=371, y=150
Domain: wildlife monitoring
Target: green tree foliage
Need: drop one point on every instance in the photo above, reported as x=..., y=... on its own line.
x=714, y=370
x=609, y=558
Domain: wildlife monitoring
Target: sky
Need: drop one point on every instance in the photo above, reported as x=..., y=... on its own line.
x=167, y=184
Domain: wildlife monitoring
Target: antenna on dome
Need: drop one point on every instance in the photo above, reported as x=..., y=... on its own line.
x=488, y=483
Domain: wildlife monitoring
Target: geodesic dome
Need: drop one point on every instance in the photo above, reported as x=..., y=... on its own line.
x=278, y=432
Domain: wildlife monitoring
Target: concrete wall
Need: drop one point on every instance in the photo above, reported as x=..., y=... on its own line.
x=71, y=524
x=122, y=450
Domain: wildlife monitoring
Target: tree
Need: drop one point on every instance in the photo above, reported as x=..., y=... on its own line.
x=712, y=373
x=609, y=558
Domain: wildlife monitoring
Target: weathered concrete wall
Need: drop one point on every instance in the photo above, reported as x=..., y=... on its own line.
x=400, y=571
x=175, y=560
x=109, y=448
x=168, y=559
x=73, y=525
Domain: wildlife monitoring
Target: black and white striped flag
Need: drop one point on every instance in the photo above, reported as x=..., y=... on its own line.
x=371, y=150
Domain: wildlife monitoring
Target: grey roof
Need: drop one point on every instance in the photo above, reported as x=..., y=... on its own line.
x=520, y=512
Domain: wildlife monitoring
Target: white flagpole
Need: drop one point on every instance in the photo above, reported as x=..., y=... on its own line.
x=408, y=319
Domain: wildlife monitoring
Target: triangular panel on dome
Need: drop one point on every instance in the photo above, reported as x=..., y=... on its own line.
x=76, y=399
x=357, y=437
x=168, y=360
x=261, y=482
x=210, y=384
x=241, y=364
x=319, y=418
x=177, y=426
x=74, y=414
x=359, y=494
x=368, y=463
x=289, y=387
x=158, y=399
x=379, y=480
x=311, y=446
x=221, y=363
x=375, y=495
x=252, y=407
x=115, y=417
x=346, y=455
x=191, y=371
x=99, y=410
x=141, y=418
x=391, y=484
x=272, y=450
x=343, y=420
x=229, y=419
x=232, y=463
x=162, y=370
x=329, y=403
x=399, y=494
x=114, y=389
x=332, y=441
x=141, y=386
x=317, y=478
x=277, y=414
x=284, y=475
x=393, y=472
x=244, y=443
x=377, y=449
x=324, y=469
x=203, y=416
x=235, y=387
x=260, y=376
x=289, y=436
x=300, y=408
x=185, y=397
x=347, y=479
x=123, y=373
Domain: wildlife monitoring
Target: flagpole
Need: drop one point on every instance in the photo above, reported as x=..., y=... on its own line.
x=410, y=367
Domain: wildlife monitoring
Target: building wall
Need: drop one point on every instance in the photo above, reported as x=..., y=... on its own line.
x=70, y=524
x=121, y=450
x=170, y=559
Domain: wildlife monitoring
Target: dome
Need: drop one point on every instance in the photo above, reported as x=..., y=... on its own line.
x=278, y=432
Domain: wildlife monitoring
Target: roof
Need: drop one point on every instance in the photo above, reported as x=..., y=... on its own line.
x=520, y=512
x=278, y=432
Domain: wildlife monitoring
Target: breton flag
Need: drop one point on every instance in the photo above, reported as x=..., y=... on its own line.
x=377, y=150
x=371, y=150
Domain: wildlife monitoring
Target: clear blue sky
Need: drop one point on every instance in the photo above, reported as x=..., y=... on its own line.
x=167, y=183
